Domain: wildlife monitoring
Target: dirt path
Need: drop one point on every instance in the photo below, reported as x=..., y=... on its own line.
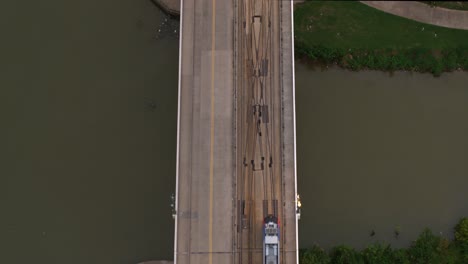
x=423, y=13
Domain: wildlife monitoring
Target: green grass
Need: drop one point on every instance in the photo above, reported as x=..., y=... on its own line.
x=356, y=36
x=448, y=4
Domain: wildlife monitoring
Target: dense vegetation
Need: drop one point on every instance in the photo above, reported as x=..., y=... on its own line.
x=427, y=249
x=355, y=36
x=457, y=5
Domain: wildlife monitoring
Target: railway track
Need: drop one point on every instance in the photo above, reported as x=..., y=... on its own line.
x=259, y=181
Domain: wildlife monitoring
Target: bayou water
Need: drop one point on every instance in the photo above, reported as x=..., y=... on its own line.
x=379, y=153
x=88, y=99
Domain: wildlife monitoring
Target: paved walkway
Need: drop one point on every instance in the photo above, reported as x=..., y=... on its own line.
x=423, y=13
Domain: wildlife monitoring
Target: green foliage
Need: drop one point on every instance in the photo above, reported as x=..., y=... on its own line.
x=461, y=239
x=383, y=254
x=461, y=231
x=400, y=256
x=345, y=255
x=314, y=255
x=463, y=252
x=426, y=249
x=416, y=59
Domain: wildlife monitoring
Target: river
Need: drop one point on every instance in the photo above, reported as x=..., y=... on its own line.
x=88, y=105
x=379, y=152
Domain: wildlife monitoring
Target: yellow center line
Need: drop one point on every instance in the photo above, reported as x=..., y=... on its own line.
x=213, y=29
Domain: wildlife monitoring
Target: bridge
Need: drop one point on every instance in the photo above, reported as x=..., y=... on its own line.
x=236, y=149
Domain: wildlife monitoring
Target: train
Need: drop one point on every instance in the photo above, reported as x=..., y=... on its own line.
x=271, y=240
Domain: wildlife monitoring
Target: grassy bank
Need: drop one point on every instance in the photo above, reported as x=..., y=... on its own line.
x=356, y=37
x=427, y=249
x=448, y=4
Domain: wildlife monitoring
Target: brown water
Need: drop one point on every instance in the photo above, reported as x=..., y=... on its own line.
x=377, y=152
x=87, y=164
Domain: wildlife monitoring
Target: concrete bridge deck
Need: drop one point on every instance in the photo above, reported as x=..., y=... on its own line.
x=213, y=68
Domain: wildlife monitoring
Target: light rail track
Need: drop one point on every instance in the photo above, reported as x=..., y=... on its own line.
x=258, y=113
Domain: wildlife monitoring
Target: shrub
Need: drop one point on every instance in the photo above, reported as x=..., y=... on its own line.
x=450, y=60
x=412, y=59
x=378, y=254
x=345, y=255
x=461, y=231
x=463, y=251
x=426, y=249
x=437, y=69
x=314, y=255
x=400, y=256
x=323, y=53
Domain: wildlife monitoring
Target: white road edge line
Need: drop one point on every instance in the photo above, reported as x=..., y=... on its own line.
x=178, y=131
x=294, y=125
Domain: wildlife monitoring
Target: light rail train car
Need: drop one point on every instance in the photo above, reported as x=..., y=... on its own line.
x=271, y=238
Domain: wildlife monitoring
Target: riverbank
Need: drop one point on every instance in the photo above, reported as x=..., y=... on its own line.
x=171, y=7
x=427, y=248
x=355, y=36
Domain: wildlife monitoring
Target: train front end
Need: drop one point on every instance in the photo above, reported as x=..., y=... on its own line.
x=271, y=239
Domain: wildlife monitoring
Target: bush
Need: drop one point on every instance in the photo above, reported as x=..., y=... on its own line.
x=437, y=69
x=345, y=255
x=461, y=239
x=414, y=59
x=429, y=248
x=400, y=256
x=314, y=255
x=383, y=254
x=450, y=60
x=463, y=251
x=461, y=231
